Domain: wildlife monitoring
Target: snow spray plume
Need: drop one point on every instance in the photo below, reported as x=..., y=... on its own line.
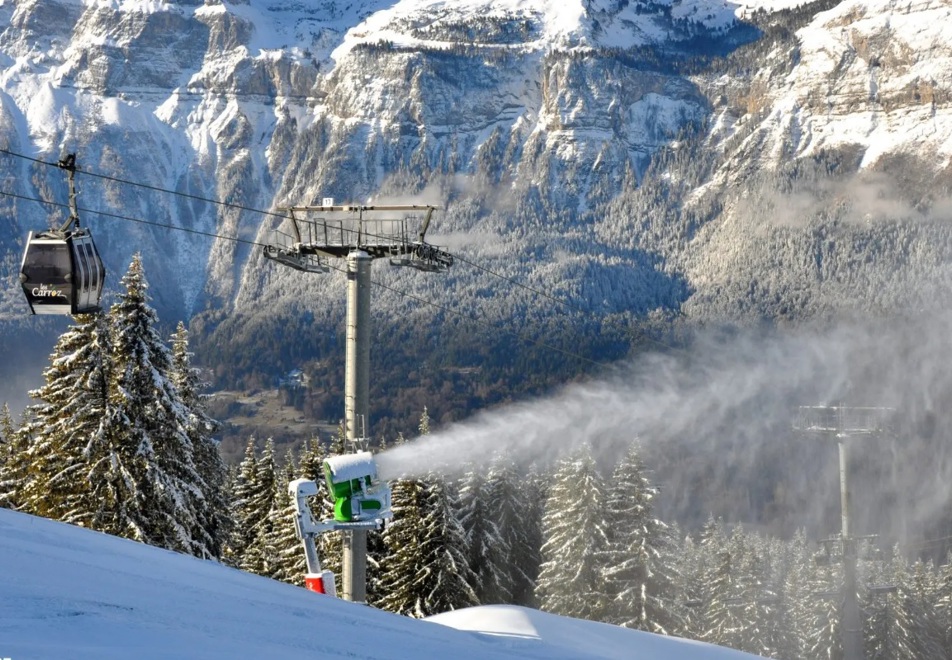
x=658, y=396
x=722, y=402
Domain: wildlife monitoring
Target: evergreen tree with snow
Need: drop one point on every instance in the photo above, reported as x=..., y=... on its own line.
x=73, y=403
x=575, y=533
x=396, y=581
x=425, y=570
x=901, y=623
x=245, y=499
x=943, y=604
x=284, y=553
x=151, y=420
x=714, y=592
x=485, y=545
x=209, y=499
x=13, y=459
x=822, y=617
x=257, y=520
x=639, y=558
x=797, y=598
x=514, y=505
x=311, y=464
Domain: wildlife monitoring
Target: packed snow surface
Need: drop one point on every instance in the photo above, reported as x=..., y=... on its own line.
x=66, y=592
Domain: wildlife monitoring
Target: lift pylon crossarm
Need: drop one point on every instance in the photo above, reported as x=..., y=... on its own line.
x=381, y=230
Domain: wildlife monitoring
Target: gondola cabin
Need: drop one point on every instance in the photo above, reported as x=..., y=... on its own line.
x=62, y=273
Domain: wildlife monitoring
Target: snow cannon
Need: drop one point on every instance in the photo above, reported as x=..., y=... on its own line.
x=358, y=493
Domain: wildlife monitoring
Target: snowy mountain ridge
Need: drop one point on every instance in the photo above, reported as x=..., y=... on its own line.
x=869, y=74
x=537, y=124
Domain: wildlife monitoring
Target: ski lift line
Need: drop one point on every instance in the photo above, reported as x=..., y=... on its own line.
x=404, y=294
x=229, y=205
x=106, y=177
x=930, y=542
x=117, y=216
x=282, y=214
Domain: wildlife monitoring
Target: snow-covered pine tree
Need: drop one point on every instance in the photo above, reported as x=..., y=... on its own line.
x=719, y=624
x=257, y=521
x=311, y=464
x=711, y=590
x=484, y=543
x=6, y=455
x=756, y=599
x=920, y=596
x=943, y=607
x=72, y=404
x=526, y=543
x=425, y=569
x=284, y=554
x=7, y=429
x=575, y=537
x=797, y=597
x=13, y=462
x=824, y=639
x=395, y=583
x=901, y=623
x=210, y=501
x=151, y=417
x=243, y=489
x=515, y=506
x=638, y=562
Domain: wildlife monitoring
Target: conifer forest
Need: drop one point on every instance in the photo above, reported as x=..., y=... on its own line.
x=119, y=440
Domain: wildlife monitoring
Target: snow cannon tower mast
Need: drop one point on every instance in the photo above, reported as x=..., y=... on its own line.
x=361, y=502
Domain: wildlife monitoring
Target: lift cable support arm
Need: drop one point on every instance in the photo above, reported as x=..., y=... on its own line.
x=68, y=163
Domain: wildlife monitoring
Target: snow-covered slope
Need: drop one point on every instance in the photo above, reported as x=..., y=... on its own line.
x=868, y=75
x=67, y=592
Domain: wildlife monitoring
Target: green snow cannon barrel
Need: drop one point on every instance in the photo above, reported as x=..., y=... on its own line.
x=358, y=493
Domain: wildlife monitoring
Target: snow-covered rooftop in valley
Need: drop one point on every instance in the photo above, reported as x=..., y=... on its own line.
x=67, y=592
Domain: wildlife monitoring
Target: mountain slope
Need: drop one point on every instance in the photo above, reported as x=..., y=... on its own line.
x=81, y=594
x=638, y=161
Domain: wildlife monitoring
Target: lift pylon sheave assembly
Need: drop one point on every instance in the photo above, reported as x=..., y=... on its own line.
x=361, y=503
x=61, y=271
x=312, y=234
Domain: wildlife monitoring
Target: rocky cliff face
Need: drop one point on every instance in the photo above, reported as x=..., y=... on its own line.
x=633, y=158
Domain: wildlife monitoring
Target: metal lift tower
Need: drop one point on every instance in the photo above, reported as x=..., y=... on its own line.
x=843, y=425
x=360, y=234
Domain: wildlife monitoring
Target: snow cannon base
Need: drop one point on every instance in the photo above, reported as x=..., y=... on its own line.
x=322, y=583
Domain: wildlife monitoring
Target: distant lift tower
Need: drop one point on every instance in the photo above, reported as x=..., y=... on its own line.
x=843, y=425
x=310, y=236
